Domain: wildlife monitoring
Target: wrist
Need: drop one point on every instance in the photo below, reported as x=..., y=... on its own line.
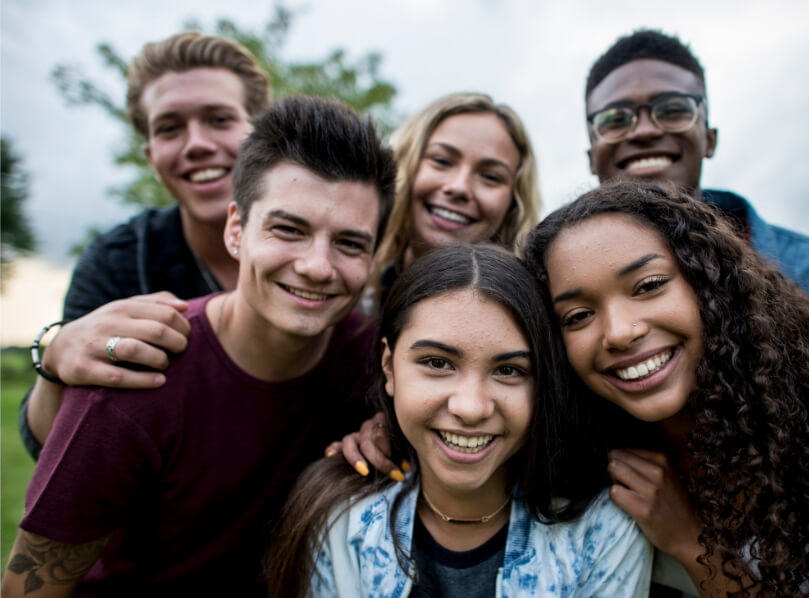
x=37, y=352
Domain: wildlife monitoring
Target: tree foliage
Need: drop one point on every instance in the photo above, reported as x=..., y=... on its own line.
x=358, y=83
x=15, y=229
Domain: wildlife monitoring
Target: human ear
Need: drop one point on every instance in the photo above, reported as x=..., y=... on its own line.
x=593, y=169
x=233, y=230
x=711, y=139
x=387, y=366
x=147, y=153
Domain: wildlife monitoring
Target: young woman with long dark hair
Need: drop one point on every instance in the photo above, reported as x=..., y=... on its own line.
x=496, y=504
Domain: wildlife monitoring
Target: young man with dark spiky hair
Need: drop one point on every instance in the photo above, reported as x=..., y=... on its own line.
x=169, y=491
x=647, y=113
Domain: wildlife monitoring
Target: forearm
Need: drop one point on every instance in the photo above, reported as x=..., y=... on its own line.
x=40, y=567
x=713, y=583
x=44, y=402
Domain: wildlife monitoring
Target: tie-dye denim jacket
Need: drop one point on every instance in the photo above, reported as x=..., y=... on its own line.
x=603, y=553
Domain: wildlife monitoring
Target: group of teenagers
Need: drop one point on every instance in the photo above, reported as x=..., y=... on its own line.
x=609, y=402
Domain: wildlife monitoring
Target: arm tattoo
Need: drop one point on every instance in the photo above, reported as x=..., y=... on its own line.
x=46, y=561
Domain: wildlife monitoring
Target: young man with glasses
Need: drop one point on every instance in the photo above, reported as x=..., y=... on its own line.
x=647, y=114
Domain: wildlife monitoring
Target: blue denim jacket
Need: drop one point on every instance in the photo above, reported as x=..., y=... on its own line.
x=788, y=249
x=603, y=553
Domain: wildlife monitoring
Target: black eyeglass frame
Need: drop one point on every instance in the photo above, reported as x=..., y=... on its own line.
x=698, y=98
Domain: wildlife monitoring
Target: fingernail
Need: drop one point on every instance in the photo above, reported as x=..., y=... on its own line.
x=405, y=465
x=330, y=453
x=397, y=476
x=361, y=468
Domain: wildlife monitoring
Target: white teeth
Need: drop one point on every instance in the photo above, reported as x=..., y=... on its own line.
x=449, y=215
x=466, y=444
x=653, y=162
x=306, y=294
x=644, y=368
x=206, y=174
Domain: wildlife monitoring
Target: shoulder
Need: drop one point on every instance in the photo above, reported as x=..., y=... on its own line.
x=359, y=553
x=148, y=220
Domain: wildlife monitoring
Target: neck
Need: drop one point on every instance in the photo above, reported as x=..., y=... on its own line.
x=475, y=504
x=258, y=348
x=205, y=239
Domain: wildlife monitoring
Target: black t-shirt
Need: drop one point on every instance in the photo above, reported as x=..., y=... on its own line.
x=450, y=574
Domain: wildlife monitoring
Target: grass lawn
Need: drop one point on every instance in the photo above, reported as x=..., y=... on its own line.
x=16, y=375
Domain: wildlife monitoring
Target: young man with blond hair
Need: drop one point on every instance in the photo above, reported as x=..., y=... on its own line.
x=190, y=97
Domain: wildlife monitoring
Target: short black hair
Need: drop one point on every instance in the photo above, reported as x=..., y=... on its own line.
x=643, y=43
x=324, y=136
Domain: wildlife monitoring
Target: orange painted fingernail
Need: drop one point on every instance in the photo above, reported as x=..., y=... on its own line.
x=361, y=468
x=405, y=466
x=330, y=453
x=397, y=476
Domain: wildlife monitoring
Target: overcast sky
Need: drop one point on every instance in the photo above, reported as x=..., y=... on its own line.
x=533, y=55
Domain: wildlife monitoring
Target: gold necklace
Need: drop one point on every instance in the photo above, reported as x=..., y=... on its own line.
x=449, y=519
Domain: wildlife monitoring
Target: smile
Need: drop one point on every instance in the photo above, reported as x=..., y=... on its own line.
x=645, y=368
x=311, y=296
x=649, y=163
x=465, y=444
x=206, y=174
x=449, y=215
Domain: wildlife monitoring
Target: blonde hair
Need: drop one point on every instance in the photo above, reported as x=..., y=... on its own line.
x=408, y=143
x=191, y=50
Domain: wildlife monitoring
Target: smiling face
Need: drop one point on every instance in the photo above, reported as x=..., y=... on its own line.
x=197, y=121
x=305, y=251
x=463, y=391
x=464, y=183
x=630, y=321
x=648, y=151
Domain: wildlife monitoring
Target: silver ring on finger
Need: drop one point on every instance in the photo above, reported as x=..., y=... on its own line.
x=111, y=344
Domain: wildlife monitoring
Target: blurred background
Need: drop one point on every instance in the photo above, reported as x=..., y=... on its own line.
x=70, y=165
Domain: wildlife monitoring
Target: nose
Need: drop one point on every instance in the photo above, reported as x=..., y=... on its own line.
x=622, y=327
x=459, y=183
x=315, y=262
x=645, y=127
x=198, y=140
x=472, y=402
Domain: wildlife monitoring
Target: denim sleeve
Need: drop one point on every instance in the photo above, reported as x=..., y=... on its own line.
x=621, y=553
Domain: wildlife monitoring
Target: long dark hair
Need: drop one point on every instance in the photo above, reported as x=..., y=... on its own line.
x=544, y=467
x=749, y=481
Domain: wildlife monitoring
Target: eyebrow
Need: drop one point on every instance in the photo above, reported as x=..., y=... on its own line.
x=176, y=113
x=456, y=152
x=346, y=232
x=652, y=99
x=431, y=344
x=628, y=269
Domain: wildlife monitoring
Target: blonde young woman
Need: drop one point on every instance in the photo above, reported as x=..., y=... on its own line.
x=467, y=173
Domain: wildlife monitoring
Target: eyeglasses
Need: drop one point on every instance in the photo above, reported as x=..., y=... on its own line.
x=672, y=112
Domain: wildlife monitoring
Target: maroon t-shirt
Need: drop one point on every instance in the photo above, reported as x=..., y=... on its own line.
x=186, y=477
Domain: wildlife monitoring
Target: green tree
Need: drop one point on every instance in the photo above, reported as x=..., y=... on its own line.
x=15, y=229
x=357, y=83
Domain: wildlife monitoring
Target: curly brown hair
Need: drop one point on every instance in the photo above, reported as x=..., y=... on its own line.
x=749, y=481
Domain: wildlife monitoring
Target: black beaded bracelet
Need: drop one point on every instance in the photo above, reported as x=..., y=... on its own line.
x=35, y=357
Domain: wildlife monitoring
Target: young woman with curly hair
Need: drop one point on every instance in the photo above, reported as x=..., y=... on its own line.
x=468, y=381
x=666, y=313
